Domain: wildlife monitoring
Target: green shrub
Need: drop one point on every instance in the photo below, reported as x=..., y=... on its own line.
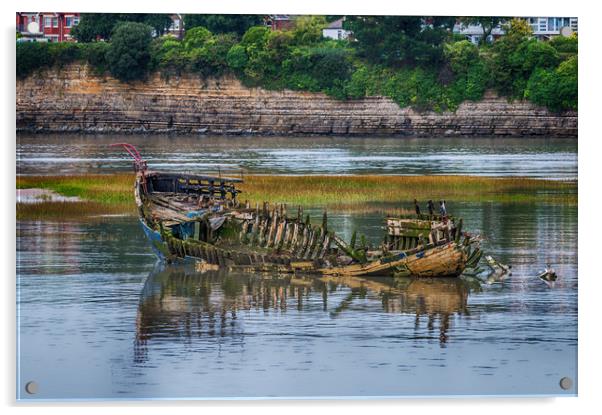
x=565, y=45
x=168, y=56
x=358, y=85
x=534, y=54
x=223, y=23
x=461, y=56
x=212, y=57
x=397, y=40
x=237, y=57
x=308, y=29
x=95, y=54
x=477, y=81
x=279, y=45
x=260, y=69
x=64, y=52
x=196, y=38
x=554, y=88
x=541, y=88
x=128, y=57
x=567, y=86
x=318, y=69
x=32, y=56
x=256, y=36
x=471, y=75
x=508, y=56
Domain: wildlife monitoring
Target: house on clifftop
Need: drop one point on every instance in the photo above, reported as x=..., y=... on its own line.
x=46, y=27
x=336, y=31
x=279, y=21
x=544, y=28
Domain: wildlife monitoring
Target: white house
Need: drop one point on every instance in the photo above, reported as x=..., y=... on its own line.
x=545, y=28
x=335, y=30
x=475, y=32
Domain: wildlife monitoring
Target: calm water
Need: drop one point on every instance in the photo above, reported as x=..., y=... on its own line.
x=73, y=154
x=98, y=319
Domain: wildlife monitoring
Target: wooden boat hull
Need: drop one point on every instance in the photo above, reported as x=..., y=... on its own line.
x=268, y=240
x=447, y=260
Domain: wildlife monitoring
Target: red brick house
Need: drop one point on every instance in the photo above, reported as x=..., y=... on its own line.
x=55, y=27
x=280, y=21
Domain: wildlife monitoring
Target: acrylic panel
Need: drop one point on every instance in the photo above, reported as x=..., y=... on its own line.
x=279, y=206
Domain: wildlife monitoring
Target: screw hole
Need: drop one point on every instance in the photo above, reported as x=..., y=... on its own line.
x=31, y=388
x=566, y=383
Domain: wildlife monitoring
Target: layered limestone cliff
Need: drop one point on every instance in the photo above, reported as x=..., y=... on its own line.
x=74, y=99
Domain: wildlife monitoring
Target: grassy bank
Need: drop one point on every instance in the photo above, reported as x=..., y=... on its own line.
x=113, y=194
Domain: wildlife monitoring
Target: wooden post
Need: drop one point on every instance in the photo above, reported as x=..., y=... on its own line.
x=459, y=230
x=315, y=247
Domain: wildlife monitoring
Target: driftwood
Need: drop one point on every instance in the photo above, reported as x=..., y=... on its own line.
x=548, y=274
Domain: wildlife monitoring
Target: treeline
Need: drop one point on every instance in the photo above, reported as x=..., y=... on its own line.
x=415, y=63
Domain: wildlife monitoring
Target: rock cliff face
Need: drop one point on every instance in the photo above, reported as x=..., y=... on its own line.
x=74, y=99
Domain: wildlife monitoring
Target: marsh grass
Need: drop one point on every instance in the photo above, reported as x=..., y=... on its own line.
x=105, y=189
x=335, y=191
x=66, y=210
x=113, y=194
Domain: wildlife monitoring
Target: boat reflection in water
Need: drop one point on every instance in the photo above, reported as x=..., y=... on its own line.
x=182, y=302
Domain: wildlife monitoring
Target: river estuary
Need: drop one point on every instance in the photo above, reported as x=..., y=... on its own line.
x=98, y=318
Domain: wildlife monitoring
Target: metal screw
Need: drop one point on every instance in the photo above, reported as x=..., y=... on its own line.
x=566, y=383
x=31, y=388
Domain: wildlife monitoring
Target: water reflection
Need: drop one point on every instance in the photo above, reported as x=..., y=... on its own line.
x=179, y=302
x=85, y=297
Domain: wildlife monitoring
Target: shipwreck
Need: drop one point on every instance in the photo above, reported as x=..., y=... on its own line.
x=201, y=217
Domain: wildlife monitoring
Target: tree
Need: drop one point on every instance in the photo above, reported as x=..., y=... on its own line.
x=508, y=58
x=567, y=86
x=279, y=44
x=461, y=55
x=555, y=88
x=397, y=40
x=128, y=57
x=535, y=54
x=323, y=64
x=255, y=37
x=445, y=22
x=196, y=38
x=237, y=57
x=223, y=23
x=160, y=22
x=210, y=60
x=167, y=54
x=308, y=29
x=470, y=72
x=566, y=46
x=259, y=65
x=488, y=23
x=93, y=26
